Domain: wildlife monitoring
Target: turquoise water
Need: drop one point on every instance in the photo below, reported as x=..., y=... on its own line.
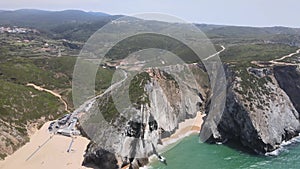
x=190, y=154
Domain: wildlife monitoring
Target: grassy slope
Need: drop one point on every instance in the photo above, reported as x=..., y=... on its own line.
x=260, y=52
x=18, y=106
x=20, y=103
x=19, y=65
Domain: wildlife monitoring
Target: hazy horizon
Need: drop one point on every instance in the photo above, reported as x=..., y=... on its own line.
x=255, y=13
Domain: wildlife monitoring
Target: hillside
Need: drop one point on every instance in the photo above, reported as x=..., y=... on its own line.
x=80, y=25
x=261, y=110
x=45, y=19
x=34, y=58
x=68, y=24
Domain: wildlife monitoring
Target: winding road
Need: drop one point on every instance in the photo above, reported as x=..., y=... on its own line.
x=288, y=56
x=278, y=61
x=223, y=48
x=88, y=104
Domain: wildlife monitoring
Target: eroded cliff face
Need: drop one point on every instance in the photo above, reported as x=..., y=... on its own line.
x=169, y=98
x=288, y=78
x=259, y=112
x=173, y=101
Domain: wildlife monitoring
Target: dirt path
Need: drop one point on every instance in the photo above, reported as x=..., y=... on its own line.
x=288, y=56
x=277, y=61
x=51, y=92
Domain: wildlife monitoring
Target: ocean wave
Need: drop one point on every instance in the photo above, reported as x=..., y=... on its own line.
x=145, y=167
x=284, y=146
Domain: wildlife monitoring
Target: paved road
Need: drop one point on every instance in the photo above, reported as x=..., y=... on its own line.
x=88, y=104
x=211, y=56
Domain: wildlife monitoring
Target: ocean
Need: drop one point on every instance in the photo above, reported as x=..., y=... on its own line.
x=190, y=154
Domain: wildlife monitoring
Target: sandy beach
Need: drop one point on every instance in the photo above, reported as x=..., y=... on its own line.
x=45, y=151
x=186, y=128
x=50, y=151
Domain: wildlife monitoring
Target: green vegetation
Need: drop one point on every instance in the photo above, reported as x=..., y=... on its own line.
x=243, y=54
x=239, y=57
x=294, y=59
x=250, y=82
x=103, y=79
x=146, y=41
x=137, y=92
x=201, y=77
x=23, y=71
x=22, y=63
x=20, y=104
x=70, y=24
x=108, y=109
x=52, y=73
x=36, y=45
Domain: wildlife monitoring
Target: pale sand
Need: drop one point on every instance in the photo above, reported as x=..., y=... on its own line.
x=53, y=154
x=186, y=128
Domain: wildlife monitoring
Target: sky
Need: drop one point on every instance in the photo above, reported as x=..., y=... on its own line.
x=224, y=12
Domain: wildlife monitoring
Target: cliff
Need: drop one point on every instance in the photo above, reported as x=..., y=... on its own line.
x=261, y=112
x=260, y=108
x=160, y=100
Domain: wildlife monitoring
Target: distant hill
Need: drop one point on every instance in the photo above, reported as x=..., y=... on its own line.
x=48, y=19
x=69, y=24
x=80, y=25
x=240, y=31
x=98, y=13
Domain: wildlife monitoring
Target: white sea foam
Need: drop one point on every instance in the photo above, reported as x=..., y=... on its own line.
x=284, y=146
x=145, y=167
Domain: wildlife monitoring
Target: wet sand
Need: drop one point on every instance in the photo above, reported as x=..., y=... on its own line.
x=50, y=152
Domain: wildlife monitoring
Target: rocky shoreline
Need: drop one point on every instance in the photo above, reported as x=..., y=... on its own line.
x=263, y=122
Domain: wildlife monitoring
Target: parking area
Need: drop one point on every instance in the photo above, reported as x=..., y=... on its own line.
x=65, y=125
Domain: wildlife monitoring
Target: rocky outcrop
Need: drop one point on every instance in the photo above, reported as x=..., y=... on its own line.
x=259, y=72
x=132, y=135
x=288, y=78
x=258, y=113
x=100, y=158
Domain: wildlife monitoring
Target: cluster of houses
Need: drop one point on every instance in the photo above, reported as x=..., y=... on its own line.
x=16, y=29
